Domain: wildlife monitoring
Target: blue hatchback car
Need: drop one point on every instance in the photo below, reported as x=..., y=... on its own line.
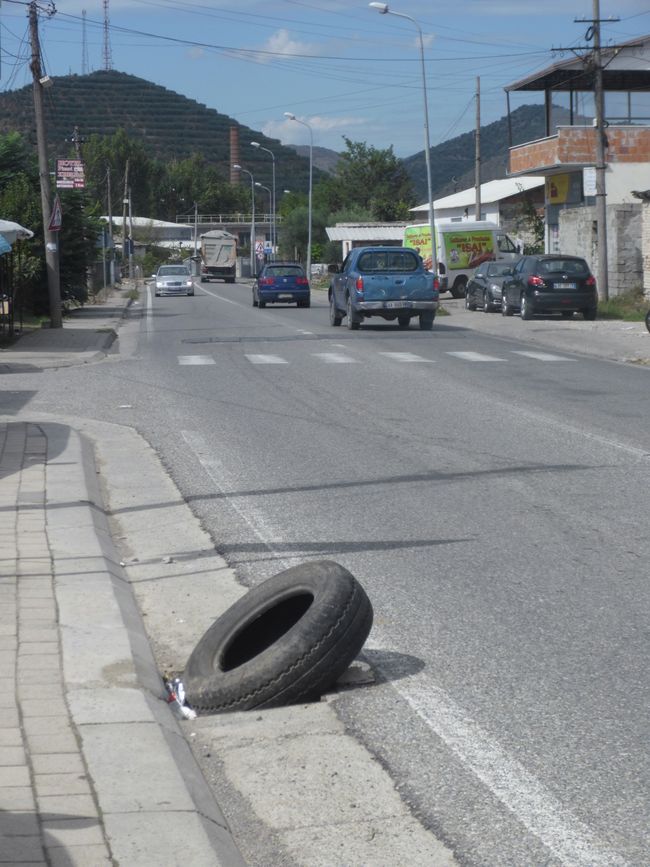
x=281, y=283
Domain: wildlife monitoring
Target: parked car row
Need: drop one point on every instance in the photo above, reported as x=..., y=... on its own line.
x=549, y=283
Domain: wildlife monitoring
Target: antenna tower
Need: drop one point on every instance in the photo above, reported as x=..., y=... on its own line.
x=108, y=60
x=84, y=44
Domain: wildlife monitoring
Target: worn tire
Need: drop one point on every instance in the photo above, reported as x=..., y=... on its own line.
x=286, y=641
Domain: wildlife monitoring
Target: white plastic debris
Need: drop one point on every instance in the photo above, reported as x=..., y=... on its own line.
x=176, y=697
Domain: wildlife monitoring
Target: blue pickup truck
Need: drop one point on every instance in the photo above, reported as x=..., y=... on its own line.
x=389, y=282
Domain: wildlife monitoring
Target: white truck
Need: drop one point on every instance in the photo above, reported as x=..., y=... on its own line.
x=218, y=256
x=461, y=248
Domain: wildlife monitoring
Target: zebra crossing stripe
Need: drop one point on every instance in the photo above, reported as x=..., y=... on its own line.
x=542, y=356
x=407, y=357
x=265, y=359
x=474, y=356
x=196, y=359
x=334, y=358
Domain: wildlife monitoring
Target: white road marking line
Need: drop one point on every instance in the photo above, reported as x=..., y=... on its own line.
x=474, y=356
x=148, y=323
x=542, y=356
x=265, y=359
x=407, y=357
x=335, y=358
x=566, y=836
x=195, y=359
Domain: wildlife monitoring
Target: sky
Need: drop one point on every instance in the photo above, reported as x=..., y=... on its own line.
x=343, y=69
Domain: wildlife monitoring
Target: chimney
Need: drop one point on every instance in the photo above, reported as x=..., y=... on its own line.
x=234, y=154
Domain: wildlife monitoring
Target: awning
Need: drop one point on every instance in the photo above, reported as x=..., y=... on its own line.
x=13, y=232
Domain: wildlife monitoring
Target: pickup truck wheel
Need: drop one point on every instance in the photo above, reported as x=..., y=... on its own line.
x=285, y=641
x=403, y=321
x=426, y=321
x=335, y=317
x=353, y=321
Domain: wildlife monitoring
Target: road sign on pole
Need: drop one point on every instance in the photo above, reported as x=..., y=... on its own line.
x=56, y=217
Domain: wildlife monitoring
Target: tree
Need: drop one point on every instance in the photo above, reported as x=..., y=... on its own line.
x=368, y=178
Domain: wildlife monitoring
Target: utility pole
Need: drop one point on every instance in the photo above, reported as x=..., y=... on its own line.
x=196, y=227
x=477, y=149
x=130, y=238
x=50, y=238
x=601, y=165
x=111, y=248
x=125, y=202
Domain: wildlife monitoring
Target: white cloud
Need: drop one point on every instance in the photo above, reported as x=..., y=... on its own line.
x=281, y=43
x=328, y=131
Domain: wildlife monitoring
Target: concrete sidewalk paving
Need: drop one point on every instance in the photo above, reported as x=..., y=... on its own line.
x=94, y=768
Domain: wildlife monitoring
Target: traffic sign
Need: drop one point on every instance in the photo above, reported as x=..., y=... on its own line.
x=56, y=217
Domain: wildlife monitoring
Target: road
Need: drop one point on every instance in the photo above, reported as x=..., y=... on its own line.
x=492, y=498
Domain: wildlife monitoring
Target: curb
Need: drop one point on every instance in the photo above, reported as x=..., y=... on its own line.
x=155, y=804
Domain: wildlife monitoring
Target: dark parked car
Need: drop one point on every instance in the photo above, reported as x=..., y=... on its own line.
x=281, y=283
x=550, y=284
x=484, y=287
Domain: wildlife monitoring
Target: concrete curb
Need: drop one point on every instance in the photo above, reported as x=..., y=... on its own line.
x=155, y=804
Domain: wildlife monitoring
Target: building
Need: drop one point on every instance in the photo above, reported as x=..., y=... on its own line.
x=566, y=156
x=500, y=201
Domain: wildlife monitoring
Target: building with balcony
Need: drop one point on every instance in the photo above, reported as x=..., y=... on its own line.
x=566, y=156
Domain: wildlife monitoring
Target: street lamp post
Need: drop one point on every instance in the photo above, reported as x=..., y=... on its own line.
x=274, y=232
x=270, y=192
x=384, y=10
x=246, y=172
x=311, y=171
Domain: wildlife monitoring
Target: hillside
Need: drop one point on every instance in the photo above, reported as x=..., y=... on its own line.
x=171, y=125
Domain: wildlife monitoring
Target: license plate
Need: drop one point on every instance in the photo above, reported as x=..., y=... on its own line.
x=284, y=295
x=392, y=305
x=565, y=285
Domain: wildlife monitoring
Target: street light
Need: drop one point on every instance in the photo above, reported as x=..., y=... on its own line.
x=238, y=168
x=274, y=233
x=269, y=191
x=311, y=170
x=383, y=9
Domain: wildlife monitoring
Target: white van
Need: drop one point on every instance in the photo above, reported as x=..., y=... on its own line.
x=461, y=248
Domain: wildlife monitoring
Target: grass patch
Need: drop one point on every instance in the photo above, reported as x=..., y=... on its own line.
x=133, y=294
x=631, y=306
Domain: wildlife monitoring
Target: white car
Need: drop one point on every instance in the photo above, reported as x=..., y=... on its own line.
x=173, y=280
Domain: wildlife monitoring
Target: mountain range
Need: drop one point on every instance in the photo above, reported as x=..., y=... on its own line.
x=174, y=127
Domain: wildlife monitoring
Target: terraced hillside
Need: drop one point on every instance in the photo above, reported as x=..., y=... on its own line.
x=171, y=125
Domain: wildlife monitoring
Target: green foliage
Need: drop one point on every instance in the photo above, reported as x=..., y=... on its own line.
x=370, y=179
x=530, y=221
x=630, y=306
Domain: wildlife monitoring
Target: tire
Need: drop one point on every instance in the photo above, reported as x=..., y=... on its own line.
x=230, y=279
x=426, y=321
x=285, y=642
x=304, y=303
x=459, y=288
x=254, y=300
x=335, y=317
x=647, y=320
x=526, y=309
x=204, y=280
x=403, y=321
x=567, y=314
x=469, y=304
x=261, y=303
x=487, y=304
x=506, y=309
x=353, y=321
x=590, y=314
x=191, y=292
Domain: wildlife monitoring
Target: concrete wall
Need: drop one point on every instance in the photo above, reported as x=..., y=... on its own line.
x=578, y=237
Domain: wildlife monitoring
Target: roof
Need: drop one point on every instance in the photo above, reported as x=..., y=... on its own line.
x=366, y=231
x=623, y=69
x=11, y=231
x=491, y=191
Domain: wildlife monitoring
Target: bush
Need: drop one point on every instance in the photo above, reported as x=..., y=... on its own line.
x=630, y=306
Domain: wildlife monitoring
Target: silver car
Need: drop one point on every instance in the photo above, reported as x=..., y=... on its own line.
x=173, y=280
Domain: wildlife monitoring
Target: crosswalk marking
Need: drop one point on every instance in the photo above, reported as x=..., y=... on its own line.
x=542, y=356
x=407, y=357
x=334, y=358
x=196, y=359
x=265, y=359
x=474, y=356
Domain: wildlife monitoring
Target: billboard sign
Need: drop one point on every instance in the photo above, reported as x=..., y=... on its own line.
x=70, y=175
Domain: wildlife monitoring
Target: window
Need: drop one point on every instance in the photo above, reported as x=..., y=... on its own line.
x=399, y=262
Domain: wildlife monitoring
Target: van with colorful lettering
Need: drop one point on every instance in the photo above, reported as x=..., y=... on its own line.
x=461, y=247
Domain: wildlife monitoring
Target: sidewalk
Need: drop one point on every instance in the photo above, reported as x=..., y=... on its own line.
x=94, y=768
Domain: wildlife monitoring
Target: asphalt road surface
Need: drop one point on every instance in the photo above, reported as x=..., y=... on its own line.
x=492, y=498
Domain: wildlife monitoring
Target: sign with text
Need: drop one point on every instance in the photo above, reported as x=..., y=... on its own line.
x=70, y=175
